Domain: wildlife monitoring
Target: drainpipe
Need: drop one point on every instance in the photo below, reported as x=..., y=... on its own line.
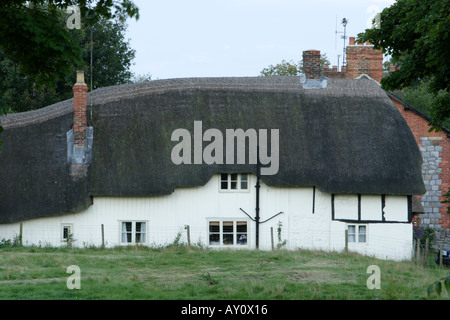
x=257, y=218
x=258, y=177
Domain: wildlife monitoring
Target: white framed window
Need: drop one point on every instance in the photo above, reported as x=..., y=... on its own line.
x=234, y=182
x=227, y=232
x=357, y=233
x=66, y=232
x=133, y=232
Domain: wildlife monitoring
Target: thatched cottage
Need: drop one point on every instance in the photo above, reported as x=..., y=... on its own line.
x=103, y=173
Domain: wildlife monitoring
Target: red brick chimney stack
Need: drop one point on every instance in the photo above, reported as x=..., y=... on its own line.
x=362, y=58
x=311, y=64
x=80, y=91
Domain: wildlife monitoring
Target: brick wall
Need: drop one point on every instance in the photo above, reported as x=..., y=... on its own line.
x=435, y=149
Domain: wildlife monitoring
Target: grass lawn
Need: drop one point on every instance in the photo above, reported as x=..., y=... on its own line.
x=176, y=273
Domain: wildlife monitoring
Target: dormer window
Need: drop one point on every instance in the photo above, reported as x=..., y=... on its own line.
x=234, y=181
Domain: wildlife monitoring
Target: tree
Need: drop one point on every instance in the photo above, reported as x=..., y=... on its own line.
x=289, y=68
x=34, y=36
x=417, y=33
x=285, y=68
x=112, y=58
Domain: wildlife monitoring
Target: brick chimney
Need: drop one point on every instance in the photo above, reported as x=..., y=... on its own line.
x=362, y=58
x=311, y=64
x=80, y=90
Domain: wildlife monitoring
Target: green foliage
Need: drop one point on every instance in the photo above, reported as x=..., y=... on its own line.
x=112, y=58
x=281, y=243
x=290, y=68
x=441, y=287
x=285, y=68
x=422, y=234
x=447, y=200
x=34, y=36
x=417, y=33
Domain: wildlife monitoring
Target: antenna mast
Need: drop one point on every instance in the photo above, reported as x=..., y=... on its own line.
x=344, y=23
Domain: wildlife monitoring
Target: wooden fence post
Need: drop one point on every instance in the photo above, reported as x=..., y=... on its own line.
x=418, y=250
x=21, y=234
x=271, y=237
x=188, y=228
x=103, y=236
x=440, y=256
x=425, y=260
x=346, y=240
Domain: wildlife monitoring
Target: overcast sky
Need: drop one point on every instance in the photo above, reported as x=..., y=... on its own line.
x=217, y=38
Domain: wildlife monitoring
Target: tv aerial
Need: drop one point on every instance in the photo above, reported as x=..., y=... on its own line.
x=344, y=22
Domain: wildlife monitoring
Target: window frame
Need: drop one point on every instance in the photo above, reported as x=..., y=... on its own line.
x=64, y=226
x=235, y=233
x=357, y=234
x=238, y=181
x=143, y=232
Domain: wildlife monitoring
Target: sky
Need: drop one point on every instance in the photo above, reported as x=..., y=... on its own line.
x=239, y=38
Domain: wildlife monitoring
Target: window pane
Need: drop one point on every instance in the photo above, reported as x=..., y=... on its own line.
x=214, y=239
x=224, y=181
x=351, y=234
x=227, y=226
x=214, y=226
x=126, y=232
x=241, y=226
x=228, y=239
x=140, y=232
x=66, y=232
x=242, y=238
x=244, y=181
x=362, y=234
x=234, y=180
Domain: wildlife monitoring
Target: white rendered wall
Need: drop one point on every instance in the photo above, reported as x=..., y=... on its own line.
x=166, y=216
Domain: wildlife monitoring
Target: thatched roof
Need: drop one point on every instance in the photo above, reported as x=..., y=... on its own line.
x=345, y=139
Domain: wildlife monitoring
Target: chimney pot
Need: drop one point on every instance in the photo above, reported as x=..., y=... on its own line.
x=80, y=76
x=351, y=41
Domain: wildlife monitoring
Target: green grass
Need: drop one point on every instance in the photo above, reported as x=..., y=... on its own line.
x=179, y=274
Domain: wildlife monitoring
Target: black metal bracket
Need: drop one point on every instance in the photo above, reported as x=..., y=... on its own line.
x=264, y=220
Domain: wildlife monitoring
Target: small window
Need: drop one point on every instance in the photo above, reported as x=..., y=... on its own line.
x=362, y=234
x=234, y=181
x=140, y=232
x=351, y=233
x=66, y=232
x=133, y=232
x=244, y=181
x=357, y=233
x=227, y=233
